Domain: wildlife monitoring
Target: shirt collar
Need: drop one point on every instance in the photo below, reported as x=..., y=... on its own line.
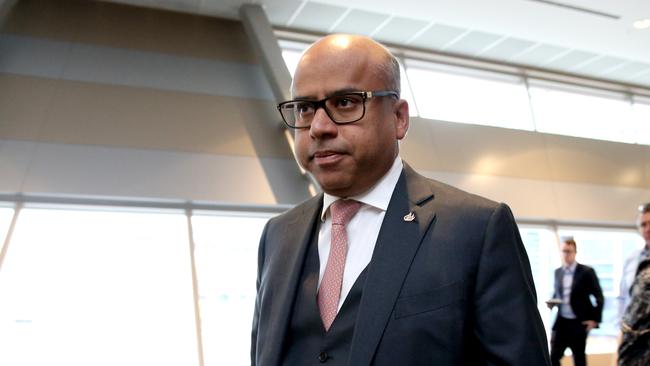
x=378, y=196
x=571, y=268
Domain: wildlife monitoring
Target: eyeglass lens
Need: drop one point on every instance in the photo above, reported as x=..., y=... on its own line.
x=340, y=108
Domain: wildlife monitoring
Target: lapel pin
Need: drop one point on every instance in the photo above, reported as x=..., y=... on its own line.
x=410, y=217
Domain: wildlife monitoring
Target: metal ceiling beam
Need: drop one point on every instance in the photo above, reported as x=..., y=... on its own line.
x=266, y=46
x=260, y=32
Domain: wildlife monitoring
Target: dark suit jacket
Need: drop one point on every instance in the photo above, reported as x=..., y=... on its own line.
x=585, y=283
x=453, y=287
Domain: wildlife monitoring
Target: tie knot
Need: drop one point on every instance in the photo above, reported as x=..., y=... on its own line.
x=343, y=210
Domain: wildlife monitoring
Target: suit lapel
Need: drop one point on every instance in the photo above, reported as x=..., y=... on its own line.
x=298, y=232
x=576, y=276
x=397, y=243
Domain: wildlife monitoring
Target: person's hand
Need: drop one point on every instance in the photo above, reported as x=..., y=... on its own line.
x=589, y=325
x=553, y=302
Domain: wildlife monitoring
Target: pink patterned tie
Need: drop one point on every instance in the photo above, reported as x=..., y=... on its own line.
x=330, y=288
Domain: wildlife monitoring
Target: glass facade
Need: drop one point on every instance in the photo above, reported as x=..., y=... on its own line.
x=78, y=281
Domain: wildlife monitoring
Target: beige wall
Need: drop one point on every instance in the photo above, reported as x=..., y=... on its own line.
x=542, y=176
x=100, y=99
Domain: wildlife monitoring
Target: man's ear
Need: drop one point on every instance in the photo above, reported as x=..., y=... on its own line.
x=401, y=118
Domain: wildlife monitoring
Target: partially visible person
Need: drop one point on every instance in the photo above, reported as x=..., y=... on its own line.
x=575, y=284
x=633, y=260
x=635, y=324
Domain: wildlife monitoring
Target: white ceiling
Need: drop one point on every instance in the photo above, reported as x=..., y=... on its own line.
x=586, y=37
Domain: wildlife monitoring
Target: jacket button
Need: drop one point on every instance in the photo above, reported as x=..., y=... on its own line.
x=322, y=357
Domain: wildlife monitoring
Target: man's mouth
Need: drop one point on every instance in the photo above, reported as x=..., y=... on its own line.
x=327, y=157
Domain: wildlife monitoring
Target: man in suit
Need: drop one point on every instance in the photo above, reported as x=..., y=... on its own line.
x=575, y=284
x=386, y=267
x=634, y=259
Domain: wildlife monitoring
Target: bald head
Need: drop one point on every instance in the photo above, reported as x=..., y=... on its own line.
x=352, y=51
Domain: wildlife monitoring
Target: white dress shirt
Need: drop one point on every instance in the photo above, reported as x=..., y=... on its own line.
x=627, y=278
x=567, y=282
x=362, y=229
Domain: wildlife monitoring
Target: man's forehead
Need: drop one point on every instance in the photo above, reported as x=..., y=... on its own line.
x=327, y=55
x=317, y=63
x=324, y=71
x=322, y=82
x=342, y=45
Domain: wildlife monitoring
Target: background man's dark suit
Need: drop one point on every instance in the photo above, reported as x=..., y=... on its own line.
x=585, y=285
x=453, y=287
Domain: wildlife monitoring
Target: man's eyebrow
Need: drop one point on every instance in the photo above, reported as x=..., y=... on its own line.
x=344, y=91
x=299, y=97
x=329, y=94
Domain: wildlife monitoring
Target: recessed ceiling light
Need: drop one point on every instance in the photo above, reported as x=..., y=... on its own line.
x=642, y=24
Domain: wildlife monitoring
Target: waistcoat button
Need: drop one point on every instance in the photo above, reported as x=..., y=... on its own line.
x=322, y=357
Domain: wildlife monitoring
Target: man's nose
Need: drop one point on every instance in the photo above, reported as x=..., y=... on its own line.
x=322, y=124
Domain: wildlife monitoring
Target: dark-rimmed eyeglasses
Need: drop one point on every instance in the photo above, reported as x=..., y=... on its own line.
x=341, y=108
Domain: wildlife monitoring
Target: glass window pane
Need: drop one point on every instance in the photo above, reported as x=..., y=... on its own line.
x=582, y=115
x=226, y=262
x=85, y=287
x=451, y=96
x=291, y=58
x=291, y=52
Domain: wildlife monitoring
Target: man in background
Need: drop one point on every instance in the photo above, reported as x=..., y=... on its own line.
x=575, y=285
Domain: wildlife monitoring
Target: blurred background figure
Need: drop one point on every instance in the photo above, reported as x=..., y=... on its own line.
x=575, y=284
x=635, y=325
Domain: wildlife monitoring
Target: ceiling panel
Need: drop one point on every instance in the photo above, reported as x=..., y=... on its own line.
x=639, y=76
x=317, y=17
x=473, y=42
x=360, y=22
x=281, y=11
x=600, y=65
x=643, y=79
x=540, y=55
x=628, y=70
x=399, y=30
x=571, y=59
x=507, y=49
x=437, y=36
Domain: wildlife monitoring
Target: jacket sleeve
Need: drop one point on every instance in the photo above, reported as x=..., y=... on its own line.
x=597, y=292
x=508, y=324
x=627, y=277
